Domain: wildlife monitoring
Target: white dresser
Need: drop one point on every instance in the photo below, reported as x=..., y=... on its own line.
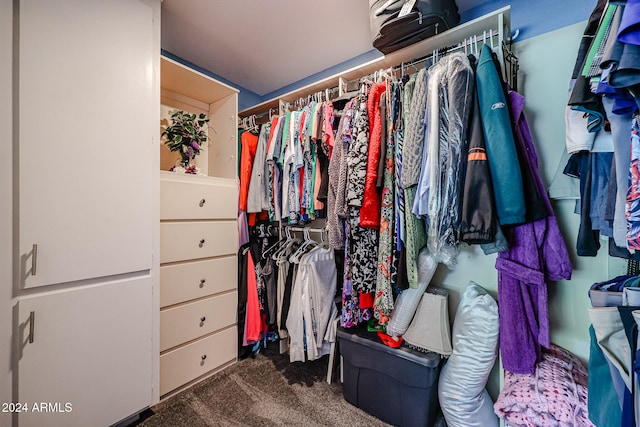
x=198, y=277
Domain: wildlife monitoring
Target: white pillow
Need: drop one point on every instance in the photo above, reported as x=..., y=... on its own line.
x=461, y=389
x=407, y=301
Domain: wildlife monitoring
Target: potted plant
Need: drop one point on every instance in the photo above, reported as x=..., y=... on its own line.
x=187, y=135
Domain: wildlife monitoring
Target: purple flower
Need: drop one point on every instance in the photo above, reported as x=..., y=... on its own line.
x=190, y=152
x=195, y=146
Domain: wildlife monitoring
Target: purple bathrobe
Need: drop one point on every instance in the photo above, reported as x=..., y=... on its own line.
x=537, y=254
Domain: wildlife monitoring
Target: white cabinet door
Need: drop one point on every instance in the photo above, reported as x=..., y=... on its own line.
x=85, y=128
x=91, y=354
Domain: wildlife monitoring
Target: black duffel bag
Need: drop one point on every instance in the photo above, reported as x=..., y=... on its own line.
x=392, y=30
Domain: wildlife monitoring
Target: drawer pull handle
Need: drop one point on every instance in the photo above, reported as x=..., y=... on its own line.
x=32, y=325
x=201, y=243
x=202, y=319
x=34, y=259
x=203, y=357
x=202, y=202
x=202, y=282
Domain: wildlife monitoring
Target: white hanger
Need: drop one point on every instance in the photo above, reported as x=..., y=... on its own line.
x=283, y=244
x=308, y=242
x=265, y=253
x=287, y=245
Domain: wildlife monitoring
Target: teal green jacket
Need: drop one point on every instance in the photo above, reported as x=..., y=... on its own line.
x=506, y=176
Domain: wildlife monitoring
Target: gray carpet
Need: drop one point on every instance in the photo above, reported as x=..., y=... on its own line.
x=265, y=391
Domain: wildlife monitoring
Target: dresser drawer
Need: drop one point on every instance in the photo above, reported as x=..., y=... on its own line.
x=198, y=198
x=190, y=321
x=182, y=241
x=197, y=279
x=179, y=366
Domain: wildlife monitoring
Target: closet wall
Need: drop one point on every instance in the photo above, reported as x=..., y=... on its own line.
x=545, y=86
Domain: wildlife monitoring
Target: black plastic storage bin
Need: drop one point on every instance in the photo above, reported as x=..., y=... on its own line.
x=398, y=386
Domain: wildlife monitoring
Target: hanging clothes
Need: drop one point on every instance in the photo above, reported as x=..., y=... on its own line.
x=363, y=241
x=370, y=210
x=352, y=314
x=414, y=131
x=249, y=148
x=478, y=218
x=275, y=168
x=256, y=194
x=633, y=193
x=311, y=321
x=270, y=172
x=536, y=255
x=506, y=176
x=384, y=304
x=454, y=91
x=400, y=254
x=414, y=110
x=252, y=320
x=324, y=150
x=336, y=201
x=243, y=289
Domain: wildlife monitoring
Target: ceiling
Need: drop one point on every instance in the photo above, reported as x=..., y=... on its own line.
x=263, y=45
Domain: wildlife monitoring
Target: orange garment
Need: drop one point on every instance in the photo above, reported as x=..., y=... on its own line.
x=249, y=147
x=370, y=210
x=252, y=323
x=254, y=217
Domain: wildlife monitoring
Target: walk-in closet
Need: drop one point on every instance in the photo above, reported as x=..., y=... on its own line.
x=295, y=213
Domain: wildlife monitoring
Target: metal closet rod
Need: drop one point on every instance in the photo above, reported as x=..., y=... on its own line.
x=313, y=230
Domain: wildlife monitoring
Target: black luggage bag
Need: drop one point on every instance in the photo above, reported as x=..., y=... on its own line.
x=399, y=23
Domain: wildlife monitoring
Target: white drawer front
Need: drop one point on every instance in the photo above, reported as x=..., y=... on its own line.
x=193, y=320
x=181, y=241
x=197, y=279
x=186, y=363
x=196, y=200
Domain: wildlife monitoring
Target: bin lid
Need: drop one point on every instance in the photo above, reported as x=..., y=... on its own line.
x=362, y=336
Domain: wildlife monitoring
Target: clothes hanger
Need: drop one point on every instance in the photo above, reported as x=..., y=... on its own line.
x=324, y=242
x=287, y=245
x=307, y=243
x=282, y=244
x=273, y=247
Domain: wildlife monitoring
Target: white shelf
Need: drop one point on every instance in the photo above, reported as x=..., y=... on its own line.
x=185, y=81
